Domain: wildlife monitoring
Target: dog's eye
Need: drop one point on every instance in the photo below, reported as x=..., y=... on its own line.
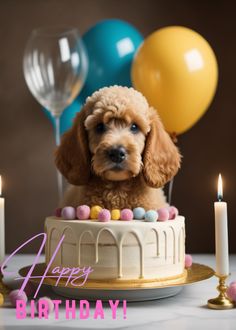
x=100, y=128
x=134, y=128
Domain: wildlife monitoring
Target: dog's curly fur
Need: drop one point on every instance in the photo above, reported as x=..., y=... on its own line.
x=152, y=158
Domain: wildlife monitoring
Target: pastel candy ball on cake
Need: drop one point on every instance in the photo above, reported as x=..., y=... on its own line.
x=163, y=214
x=188, y=260
x=83, y=212
x=94, y=211
x=126, y=215
x=151, y=216
x=104, y=215
x=115, y=214
x=17, y=295
x=47, y=302
x=139, y=213
x=68, y=213
x=173, y=212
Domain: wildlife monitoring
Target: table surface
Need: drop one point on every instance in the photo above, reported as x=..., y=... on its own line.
x=187, y=310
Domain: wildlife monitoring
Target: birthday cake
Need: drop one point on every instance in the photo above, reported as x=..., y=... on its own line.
x=116, y=249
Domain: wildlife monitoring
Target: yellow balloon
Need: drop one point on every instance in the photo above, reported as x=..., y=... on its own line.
x=176, y=69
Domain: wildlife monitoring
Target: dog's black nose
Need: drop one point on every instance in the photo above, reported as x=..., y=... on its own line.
x=117, y=155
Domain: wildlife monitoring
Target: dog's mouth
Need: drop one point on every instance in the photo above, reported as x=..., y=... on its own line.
x=117, y=168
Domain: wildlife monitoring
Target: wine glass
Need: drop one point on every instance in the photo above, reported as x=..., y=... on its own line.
x=55, y=67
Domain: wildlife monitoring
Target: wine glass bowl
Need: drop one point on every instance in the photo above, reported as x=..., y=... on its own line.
x=55, y=66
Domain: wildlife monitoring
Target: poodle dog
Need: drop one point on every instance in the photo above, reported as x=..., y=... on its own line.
x=117, y=154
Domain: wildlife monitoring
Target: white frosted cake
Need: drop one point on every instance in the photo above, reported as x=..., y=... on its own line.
x=119, y=250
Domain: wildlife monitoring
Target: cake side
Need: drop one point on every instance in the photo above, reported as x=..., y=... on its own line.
x=116, y=249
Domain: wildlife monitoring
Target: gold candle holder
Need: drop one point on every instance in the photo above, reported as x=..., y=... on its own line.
x=3, y=288
x=222, y=301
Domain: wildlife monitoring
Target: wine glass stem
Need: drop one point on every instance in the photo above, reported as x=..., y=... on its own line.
x=171, y=183
x=59, y=176
x=58, y=138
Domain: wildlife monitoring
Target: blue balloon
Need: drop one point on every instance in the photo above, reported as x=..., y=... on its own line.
x=67, y=116
x=111, y=45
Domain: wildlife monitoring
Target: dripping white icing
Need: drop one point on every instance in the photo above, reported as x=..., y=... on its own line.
x=116, y=233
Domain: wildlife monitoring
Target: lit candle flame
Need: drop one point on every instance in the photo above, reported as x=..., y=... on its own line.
x=0, y=185
x=220, y=188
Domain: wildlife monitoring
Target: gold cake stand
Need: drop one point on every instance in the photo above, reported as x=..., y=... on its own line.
x=4, y=290
x=131, y=290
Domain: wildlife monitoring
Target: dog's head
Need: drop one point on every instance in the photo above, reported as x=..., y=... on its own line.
x=117, y=136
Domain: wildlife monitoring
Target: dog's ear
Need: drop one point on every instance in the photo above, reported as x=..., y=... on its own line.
x=73, y=156
x=161, y=158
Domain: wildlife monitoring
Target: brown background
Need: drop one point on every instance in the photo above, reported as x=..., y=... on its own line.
x=26, y=136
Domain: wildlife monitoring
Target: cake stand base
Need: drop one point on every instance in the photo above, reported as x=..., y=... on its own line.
x=3, y=288
x=131, y=290
x=129, y=295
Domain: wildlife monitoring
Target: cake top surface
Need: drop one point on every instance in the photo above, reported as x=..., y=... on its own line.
x=95, y=222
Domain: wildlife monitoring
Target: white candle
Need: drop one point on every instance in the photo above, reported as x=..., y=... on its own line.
x=221, y=233
x=2, y=225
